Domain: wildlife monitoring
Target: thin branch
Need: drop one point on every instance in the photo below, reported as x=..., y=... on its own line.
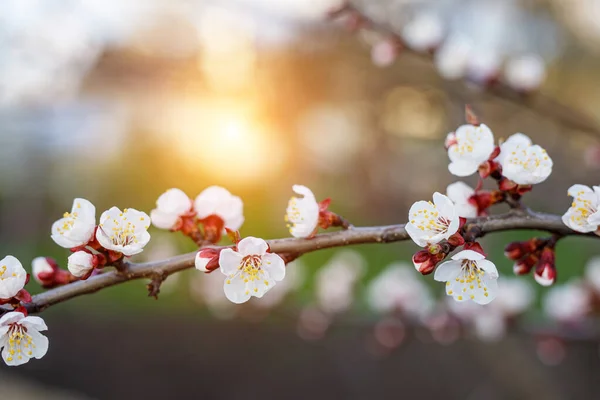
x=537, y=102
x=516, y=219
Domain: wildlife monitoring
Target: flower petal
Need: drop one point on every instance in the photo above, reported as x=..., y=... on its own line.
x=468, y=255
x=229, y=261
x=235, y=290
x=274, y=265
x=252, y=246
x=447, y=271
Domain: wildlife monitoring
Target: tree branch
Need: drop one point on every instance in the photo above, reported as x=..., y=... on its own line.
x=537, y=102
x=516, y=219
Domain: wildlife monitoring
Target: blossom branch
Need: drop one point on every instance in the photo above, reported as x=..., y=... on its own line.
x=516, y=219
x=540, y=104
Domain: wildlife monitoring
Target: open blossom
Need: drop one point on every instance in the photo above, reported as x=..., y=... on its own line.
x=430, y=223
x=424, y=32
x=583, y=215
x=217, y=201
x=80, y=263
x=302, y=214
x=124, y=231
x=460, y=193
x=251, y=270
x=523, y=162
x=21, y=339
x=170, y=207
x=77, y=227
x=470, y=147
x=12, y=277
x=469, y=276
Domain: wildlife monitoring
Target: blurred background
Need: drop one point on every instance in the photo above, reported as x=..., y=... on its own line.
x=118, y=101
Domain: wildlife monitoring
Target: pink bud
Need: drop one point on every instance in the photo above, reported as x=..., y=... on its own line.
x=207, y=260
x=545, y=272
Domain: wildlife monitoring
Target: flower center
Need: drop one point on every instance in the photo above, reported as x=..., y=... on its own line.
x=250, y=268
x=527, y=159
x=293, y=215
x=19, y=342
x=431, y=221
x=583, y=208
x=3, y=270
x=69, y=220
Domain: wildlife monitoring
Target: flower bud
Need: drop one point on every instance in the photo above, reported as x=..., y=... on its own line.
x=207, y=260
x=80, y=264
x=43, y=269
x=456, y=240
x=425, y=262
x=524, y=265
x=518, y=250
x=545, y=272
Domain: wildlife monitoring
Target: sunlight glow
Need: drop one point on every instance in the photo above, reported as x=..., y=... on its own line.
x=226, y=141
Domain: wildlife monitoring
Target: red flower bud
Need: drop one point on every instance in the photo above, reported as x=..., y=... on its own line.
x=425, y=262
x=456, y=240
x=207, y=260
x=545, y=272
x=524, y=266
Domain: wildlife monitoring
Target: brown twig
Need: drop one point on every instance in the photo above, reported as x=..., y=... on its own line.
x=516, y=219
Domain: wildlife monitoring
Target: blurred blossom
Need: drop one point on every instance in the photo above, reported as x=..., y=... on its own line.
x=567, y=303
x=592, y=274
x=294, y=278
x=300, y=9
x=489, y=322
x=424, y=31
x=313, y=323
x=207, y=289
x=452, y=58
x=400, y=288
x=335, y=281
x=332, y=135
x=525, y=73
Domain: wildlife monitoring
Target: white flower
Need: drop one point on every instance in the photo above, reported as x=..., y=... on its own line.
x=469, y=276
x=302, y=214
x=80, y=263
x=40, y=265
x=522, y=162
x=215, y=200
x=21, y=339
x=12, y=277
x=124, y=231
x=583, y=215
x=567, y=303
x=460, y=193
x=170, y=206
x=525, y=72
x=424, y=32
x=430, y=223
x=398, y=287
x=473, y=146
x=251, y=270
x=77, y=227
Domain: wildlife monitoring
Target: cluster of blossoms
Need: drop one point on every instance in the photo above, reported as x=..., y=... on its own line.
x=251, y=269
x=460, y=50
x=439, y=226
